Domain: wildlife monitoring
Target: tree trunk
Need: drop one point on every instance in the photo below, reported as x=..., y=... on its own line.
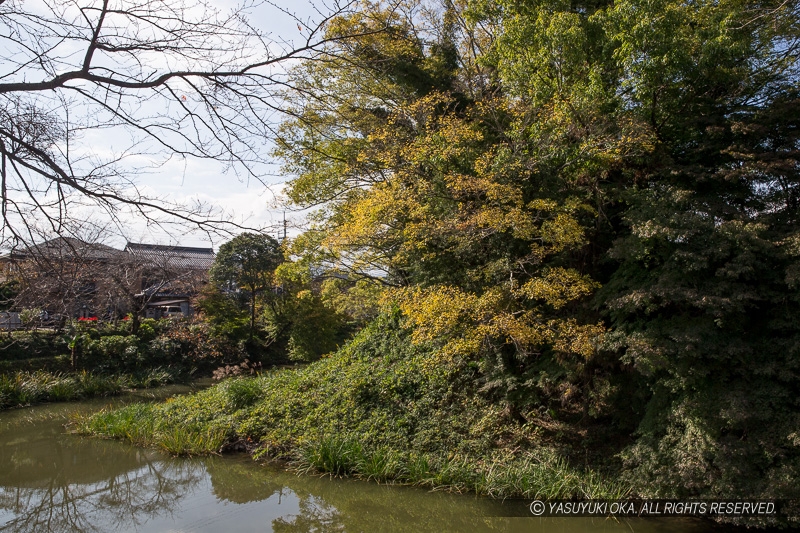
x=135, y=322
x=252, y=315
x=74, y=353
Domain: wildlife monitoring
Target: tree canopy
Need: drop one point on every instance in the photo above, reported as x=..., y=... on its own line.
x=247, y=263
x=589, y=201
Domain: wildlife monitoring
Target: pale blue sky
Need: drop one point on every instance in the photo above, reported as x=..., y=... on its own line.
x=119, y=149
x=248, y=200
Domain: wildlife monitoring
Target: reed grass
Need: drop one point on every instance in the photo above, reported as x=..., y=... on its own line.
x=138, y=424
x=543, y=474
x=179, y=441
x=331, y=455
x=26, y=388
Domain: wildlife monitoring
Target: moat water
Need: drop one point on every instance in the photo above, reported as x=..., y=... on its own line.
x=53, y=481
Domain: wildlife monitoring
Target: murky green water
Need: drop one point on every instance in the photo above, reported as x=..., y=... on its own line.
x=55, y=482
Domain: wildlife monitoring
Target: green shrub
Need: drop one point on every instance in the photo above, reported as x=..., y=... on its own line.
x=113, y=352
x=19, y=345
x=30, y=317
x=146, y=332
x=59, y=363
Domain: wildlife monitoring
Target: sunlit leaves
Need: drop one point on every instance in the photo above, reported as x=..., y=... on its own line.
x=557, y=287
x=468, y=207
x=468, y=324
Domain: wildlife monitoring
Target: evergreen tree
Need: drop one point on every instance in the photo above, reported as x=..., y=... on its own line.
x=247, y=263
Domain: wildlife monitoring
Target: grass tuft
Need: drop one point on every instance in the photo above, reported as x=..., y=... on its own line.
x=331, y=455
x=382, y=464
x=179, y=441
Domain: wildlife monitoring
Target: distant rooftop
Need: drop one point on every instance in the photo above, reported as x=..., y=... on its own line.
x=175, y=256
x=69, y=248
x=64, y=247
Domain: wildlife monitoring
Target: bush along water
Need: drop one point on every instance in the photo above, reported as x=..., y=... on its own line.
x=111, y=347
x=25, y=388
x=381, y=408
x=101, y=358
x=181, y=346
x=21, y=345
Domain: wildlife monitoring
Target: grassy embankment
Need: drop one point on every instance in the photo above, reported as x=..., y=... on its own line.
x=379, y=409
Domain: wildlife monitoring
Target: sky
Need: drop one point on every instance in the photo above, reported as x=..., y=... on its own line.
x=252, y=202
x=248, y=200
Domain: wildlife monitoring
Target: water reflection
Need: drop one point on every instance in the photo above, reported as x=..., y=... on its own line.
x=52, y=482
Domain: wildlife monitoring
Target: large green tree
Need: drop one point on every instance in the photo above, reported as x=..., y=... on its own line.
x=426, y=184
x=696, y=234
x=498, y=168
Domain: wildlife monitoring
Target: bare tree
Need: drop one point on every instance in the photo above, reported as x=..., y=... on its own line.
x=93, y=93
x=60, y=276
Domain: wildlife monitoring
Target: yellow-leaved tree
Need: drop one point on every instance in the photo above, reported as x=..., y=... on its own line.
x=469, y=208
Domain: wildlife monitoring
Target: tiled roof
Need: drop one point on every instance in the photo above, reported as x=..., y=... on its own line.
x=174, y=256
x=67, y=248
x=61, y=248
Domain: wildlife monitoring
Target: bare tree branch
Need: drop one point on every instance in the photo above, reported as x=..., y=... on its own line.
x=96, y=93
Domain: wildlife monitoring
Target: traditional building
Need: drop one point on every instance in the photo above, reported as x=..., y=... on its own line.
x=171, y=277
x=69, y=277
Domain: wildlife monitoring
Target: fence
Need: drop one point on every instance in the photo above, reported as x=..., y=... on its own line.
x=9, y=321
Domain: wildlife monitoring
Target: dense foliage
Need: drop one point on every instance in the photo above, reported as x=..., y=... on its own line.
x=90, y=358
x=18, y=345
x=244, y=268
x=183, y=347
x=593, y=202
x=270, y=308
